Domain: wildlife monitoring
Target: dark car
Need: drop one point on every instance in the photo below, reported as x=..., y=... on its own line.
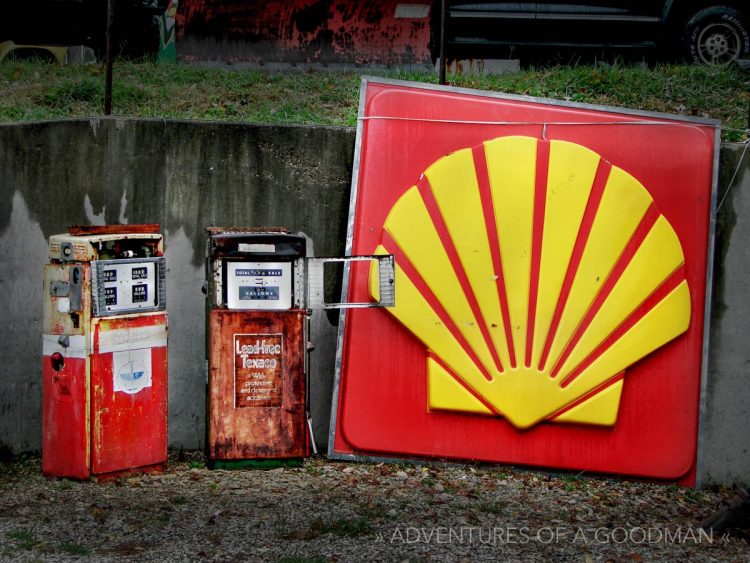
x=701, y=31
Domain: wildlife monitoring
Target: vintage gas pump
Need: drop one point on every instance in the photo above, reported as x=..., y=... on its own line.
x=105, y=352
x=261, y=290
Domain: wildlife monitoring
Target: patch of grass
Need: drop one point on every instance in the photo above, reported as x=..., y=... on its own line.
x=428, y=482
x=349, y=527
x=15, y=466
x=686, y=90
x=312, y=469
x=64, y=485
x=72, y=548
x=196, y=465
x=163, y=517
x=24, y=540
x=491, y=507
x=33, y=91
x=303, y=559
x=572, y=482
x=694, y=495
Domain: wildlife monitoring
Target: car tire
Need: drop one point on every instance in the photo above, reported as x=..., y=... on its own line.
x=716, y=36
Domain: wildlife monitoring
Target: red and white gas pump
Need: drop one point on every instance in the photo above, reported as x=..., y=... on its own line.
x=104, y=393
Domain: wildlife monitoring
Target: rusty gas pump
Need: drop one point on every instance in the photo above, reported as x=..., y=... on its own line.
x=261, y=288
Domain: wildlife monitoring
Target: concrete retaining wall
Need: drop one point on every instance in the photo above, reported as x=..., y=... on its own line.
x=185, y=176
x=189, y=175
x=725, y=448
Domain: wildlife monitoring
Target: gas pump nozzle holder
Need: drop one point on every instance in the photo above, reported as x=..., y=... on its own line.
x=261, y=288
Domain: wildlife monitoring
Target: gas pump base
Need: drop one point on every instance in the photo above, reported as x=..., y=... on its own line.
x=235, y=464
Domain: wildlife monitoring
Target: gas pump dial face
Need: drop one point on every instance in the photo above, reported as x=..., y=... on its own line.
x=128, y=286
x=259, y=285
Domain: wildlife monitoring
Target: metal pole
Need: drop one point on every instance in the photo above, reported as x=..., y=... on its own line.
x=443, y=14
x=108, y=79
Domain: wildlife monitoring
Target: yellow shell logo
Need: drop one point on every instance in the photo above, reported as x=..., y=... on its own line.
x=534, y=273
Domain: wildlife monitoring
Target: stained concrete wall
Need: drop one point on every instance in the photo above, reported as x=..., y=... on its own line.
x=185, y=176
x=725, y=444
x=188, y=175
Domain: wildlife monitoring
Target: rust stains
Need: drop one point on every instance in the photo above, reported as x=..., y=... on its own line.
x=258, y=357
x=304, y=31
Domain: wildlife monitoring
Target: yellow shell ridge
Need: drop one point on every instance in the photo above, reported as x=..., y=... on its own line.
x=459, y=267
x=587, y=221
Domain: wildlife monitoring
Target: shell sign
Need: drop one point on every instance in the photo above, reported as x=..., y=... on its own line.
x=551, y=265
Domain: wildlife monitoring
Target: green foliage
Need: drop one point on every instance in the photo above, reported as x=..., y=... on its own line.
x=72, y=548
x=349, y=526
x=33, y=91
x=303, y=559
x=491, y=507
x=573, y=481
x=23, y=539
x=62, y=96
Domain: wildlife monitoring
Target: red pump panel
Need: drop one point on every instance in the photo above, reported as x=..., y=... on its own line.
x=129, y=392
x=401, y=388
x=65, y=437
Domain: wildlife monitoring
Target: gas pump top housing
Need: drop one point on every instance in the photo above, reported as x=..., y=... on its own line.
x=255, y=269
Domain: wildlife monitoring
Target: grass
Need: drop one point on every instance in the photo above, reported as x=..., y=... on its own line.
x=350, y=527
x=572, y=481
x=491, y=507
x=72, y=548
x=303, y=559
x=24, y=539
x=36, y=90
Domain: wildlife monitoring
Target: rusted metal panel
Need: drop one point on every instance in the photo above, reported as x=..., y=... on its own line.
x=128, y=392
x=82, y=230
x=256, y=385
x=65, y=408
x=104, y=246
x=305, y=31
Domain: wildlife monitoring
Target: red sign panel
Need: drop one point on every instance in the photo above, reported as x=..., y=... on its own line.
x=550, y=289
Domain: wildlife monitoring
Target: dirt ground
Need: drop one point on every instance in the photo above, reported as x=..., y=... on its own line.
x=326, y=511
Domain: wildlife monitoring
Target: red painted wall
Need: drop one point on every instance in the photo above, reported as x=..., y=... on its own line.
x=304, y=31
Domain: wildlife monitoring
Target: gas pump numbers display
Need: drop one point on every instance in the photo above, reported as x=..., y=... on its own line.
x=259, y=285
x=129, y=286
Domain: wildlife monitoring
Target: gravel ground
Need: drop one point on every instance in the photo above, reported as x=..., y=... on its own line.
x=328, y=511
